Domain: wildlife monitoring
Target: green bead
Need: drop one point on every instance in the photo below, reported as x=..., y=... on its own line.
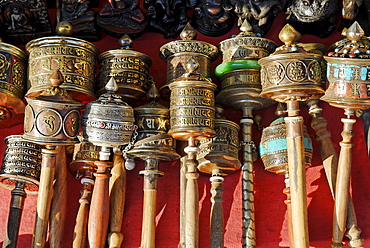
x=235, y=65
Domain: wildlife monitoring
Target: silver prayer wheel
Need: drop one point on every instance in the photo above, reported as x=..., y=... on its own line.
x=108, y=121
x=221, y=151
x=291, y=72
x=12, y=85
x=347, y=71
x=53, y=117
x=192, y=106
x=273, y=147
x=22, y=160
x=177, y=53
x=129, y=68
x=73, y=57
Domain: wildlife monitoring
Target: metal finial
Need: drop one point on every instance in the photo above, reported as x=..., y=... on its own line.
x=191, y=65
x=355, y=32
x=153, y=93
x=111, y=86
x=125, y=42
x=188, y=33
x=56, y=78
x=289, y=35
x=246, y=27
x=64, y=28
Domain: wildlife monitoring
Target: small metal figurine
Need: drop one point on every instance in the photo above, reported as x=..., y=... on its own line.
x=80, y=15
x=119, y=17
x=218, y=156
x=52, y=119
x=348, y=80
x=109, y=123
x=22, y=21
x=13, y=71
x=177, y=53
x=21, y=165
x=167, y=17
x=153, y=145
x=212, y=17
x=313, y=17
x=130, y=70
x=239, y=75
x=260, y=14
x=291, y=75
x=73, y=57
x=192, y=118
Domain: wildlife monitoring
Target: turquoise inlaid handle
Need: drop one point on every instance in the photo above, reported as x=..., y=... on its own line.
x=278, y=145
x=235, y=65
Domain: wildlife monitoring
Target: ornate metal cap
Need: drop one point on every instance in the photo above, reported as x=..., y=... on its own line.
x=152, y=120
x=108, y=121
x=13, y=72
x=52, y=117
x=74, y=58
x=290, y=72
x=192, y=104
x=129, y=68
x=347, y=71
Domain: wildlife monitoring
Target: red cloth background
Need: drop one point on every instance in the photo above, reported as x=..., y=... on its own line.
x=270, y=210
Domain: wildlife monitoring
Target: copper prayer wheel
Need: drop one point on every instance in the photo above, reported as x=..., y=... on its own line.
x=84, y=156
x=12, y=84
x=74, y=58
x=177, y=53
x=129, y=68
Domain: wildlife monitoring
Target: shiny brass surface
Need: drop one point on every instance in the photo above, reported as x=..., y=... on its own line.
x=53, y=117
x=129, y=68
x=73, y=57
x=12, y=85
x=84, y=156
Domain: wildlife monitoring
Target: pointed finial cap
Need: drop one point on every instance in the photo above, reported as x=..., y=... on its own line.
x=355, y=32
x=56, y=78
x=111, y=86
x=289, y=35
x=125, y=42
x=188, y=33
x=64, y=28
x=153, y=93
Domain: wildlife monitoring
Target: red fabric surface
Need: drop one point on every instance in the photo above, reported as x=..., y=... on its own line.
x=270, y=210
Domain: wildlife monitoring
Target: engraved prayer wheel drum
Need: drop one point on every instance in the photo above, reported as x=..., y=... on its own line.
x=73, y=57
x=177, y=53
x=53, y=117
x=221, y=151
x=129, y=68
x=108, y=121
x=21, y=162
x=12, y=85
x=273, y=147
x=347, y=72
x=290, y=72
x=84, y=156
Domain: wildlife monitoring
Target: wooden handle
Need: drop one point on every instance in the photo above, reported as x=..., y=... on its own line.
x=59, y=204
x=342, y=183
x=117, y=193
x=217, y=212
x=289, y=210
x=182, y=201
x=80, y=230
x=99, y=209
x=44, y=197
x=249, y=234
x=15, y=215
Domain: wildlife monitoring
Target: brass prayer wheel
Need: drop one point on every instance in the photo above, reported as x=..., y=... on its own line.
x=53, y=117
x=22, y=160
x=129, y=68
x=108, y=121
x=12, y=84
x=74, y=58
x=177, y=53
x=273, y=147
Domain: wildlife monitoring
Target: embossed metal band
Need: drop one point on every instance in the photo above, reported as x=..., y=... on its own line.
x=248, y=78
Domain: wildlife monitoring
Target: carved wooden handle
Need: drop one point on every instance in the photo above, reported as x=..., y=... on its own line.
x=44, y=197
x=217, y=212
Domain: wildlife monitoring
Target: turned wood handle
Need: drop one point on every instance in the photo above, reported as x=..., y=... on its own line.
x=99, y=209
x=44, y=197
x=289, y=209
x=117, y=192
x=15, y=215
x=182, y=201
x=217, y=212
x=59, y=204
x=80, y=230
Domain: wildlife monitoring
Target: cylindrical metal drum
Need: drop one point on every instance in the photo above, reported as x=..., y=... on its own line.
x=53, y=117
x=108, y=121
x=12, y=84
x=84, y=156
x=177, y=53
x=73, y=57
x=22, y=160
x=273, y=147
x=221, y=151
x=129, y=68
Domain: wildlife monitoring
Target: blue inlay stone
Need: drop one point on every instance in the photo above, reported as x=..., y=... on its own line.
x=363, y=73
x=349, y=72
